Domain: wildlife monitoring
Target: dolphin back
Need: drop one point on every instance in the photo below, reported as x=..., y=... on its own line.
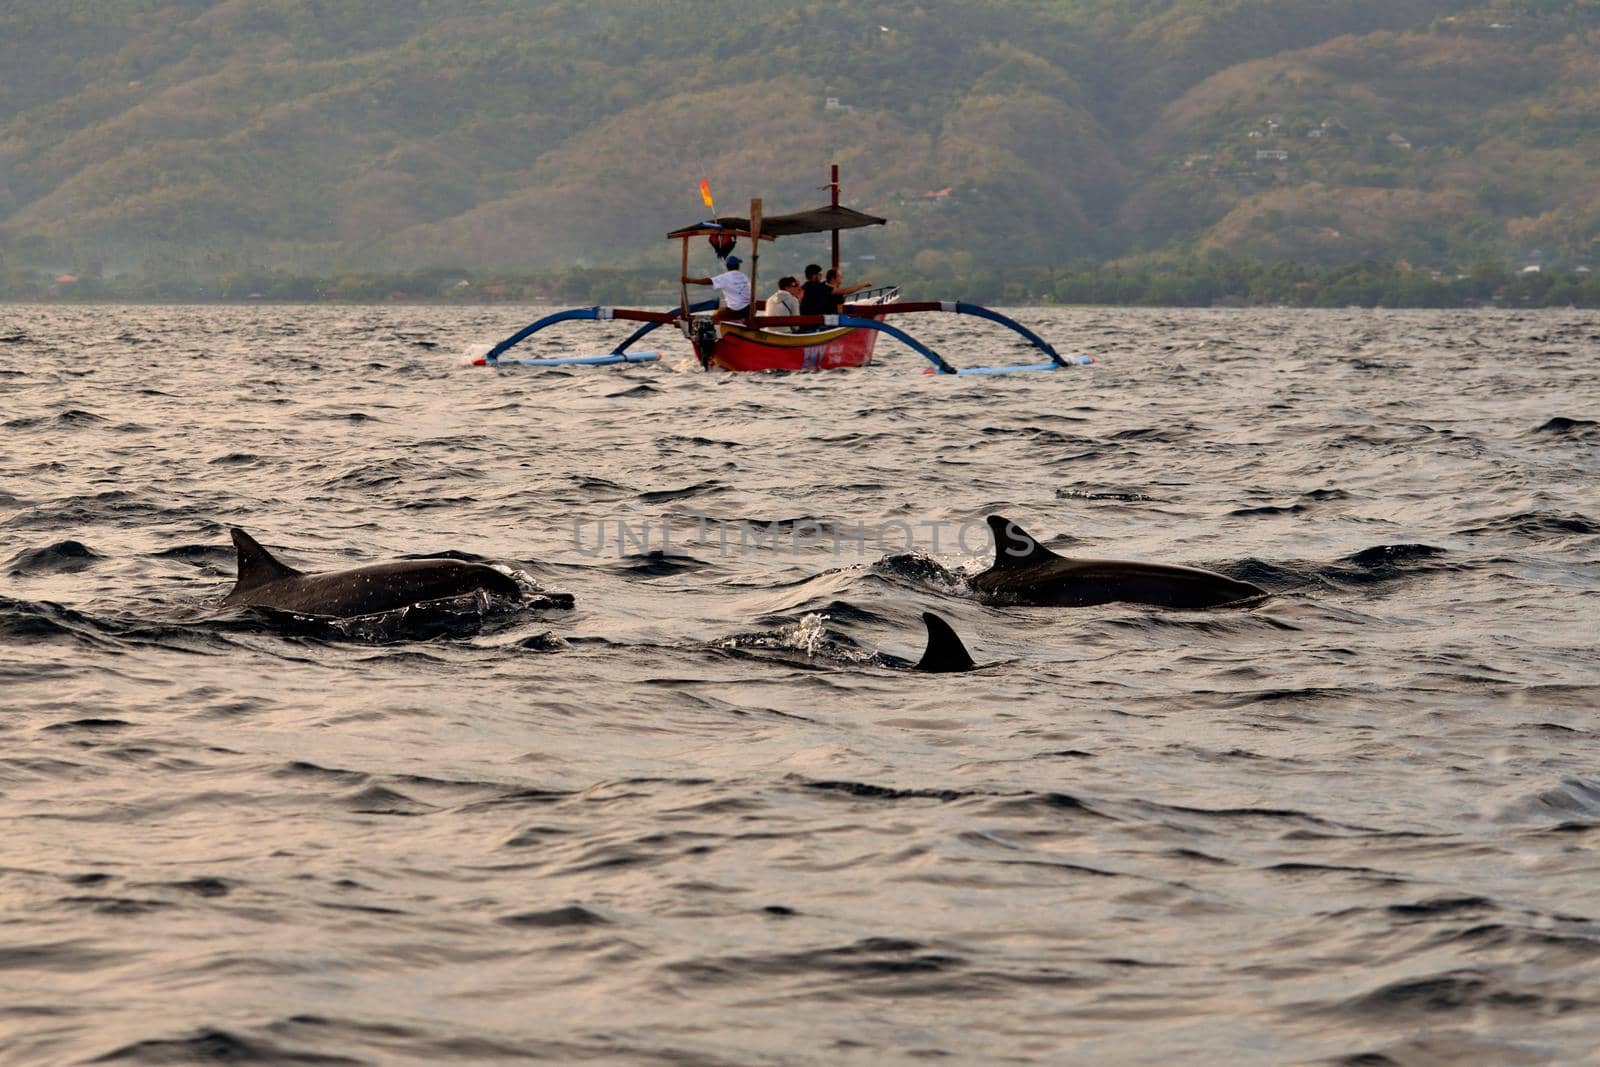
x=1025, y=572
x=265, y=582
x=1014, y=547
x=384, y=587
x=257, y=567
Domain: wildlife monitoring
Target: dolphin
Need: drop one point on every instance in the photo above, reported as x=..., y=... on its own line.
x=266, y=583
x=945, y=653
x=1025, y=572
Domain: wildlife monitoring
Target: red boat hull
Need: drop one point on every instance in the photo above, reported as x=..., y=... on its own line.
x=742, y=349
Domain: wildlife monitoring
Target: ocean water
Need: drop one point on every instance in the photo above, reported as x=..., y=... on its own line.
x=704, y=816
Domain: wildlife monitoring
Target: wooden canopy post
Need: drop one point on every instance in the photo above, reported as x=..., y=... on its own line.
x=755, y=258
x=683, y=286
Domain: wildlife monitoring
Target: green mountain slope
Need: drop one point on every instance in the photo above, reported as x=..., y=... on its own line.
x=161, y=135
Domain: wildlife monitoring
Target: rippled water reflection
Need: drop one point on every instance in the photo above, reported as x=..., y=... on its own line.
x=701, y=817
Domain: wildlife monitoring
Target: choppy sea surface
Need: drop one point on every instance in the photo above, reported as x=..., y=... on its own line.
x=705, y=816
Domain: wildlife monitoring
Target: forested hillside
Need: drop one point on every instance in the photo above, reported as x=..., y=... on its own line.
x=203, y=139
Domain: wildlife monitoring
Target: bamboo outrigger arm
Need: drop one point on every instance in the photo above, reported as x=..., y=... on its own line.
x=623, y=346
x=856, y=316
x=652, y=319
x=860, y=310
x=957, y=308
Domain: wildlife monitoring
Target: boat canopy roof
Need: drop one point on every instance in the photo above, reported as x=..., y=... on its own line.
x=818, y=220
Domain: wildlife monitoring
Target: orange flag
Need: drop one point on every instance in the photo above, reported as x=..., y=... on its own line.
x=705, y=193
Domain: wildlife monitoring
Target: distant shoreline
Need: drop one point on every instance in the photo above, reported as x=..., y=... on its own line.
x=1197, y=283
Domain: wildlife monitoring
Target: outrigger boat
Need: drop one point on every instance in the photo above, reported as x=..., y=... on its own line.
x=758, y=342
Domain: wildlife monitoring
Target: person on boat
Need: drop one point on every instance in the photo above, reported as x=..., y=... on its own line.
x=835, y=282
x=786, y=301
x=816, y=296
x=732, y=286
x=824, y=295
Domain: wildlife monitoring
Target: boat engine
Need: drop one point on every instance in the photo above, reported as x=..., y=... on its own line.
x=704, y=337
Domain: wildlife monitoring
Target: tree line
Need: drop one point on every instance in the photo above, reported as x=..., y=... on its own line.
x=1208, y=281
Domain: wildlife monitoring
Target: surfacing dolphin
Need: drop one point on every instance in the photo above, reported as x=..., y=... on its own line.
x=809, y=645
x=266, y=583
x=1025, y=572
x=945, y=653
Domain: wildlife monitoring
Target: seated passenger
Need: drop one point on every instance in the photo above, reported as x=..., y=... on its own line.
x=835, y=282
x=786, y=301
x=816, y=296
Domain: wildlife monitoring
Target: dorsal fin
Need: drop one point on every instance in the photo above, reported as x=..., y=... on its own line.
x=1014, y=546
x=945, y=653
x=256, y=565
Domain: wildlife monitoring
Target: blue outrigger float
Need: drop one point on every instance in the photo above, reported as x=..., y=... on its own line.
x=758, y=342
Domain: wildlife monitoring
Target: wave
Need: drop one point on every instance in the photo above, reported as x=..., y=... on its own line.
x=1536, y=524
x=452, y=618
x=1268, y=509
x=1561, y=426
x=657, y=564
x=62, y=557
x=26, y=622
x=1385, y=563
x=1467, y=993
x=217, y=1046
x=1575, y=798
x=661, y=496
x=810, y=642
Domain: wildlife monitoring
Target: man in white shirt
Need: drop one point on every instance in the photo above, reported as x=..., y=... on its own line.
x=733, y=289
x=786, y=301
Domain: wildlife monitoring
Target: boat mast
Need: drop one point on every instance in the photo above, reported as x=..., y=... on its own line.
x=833, y=183
x=755, y=258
